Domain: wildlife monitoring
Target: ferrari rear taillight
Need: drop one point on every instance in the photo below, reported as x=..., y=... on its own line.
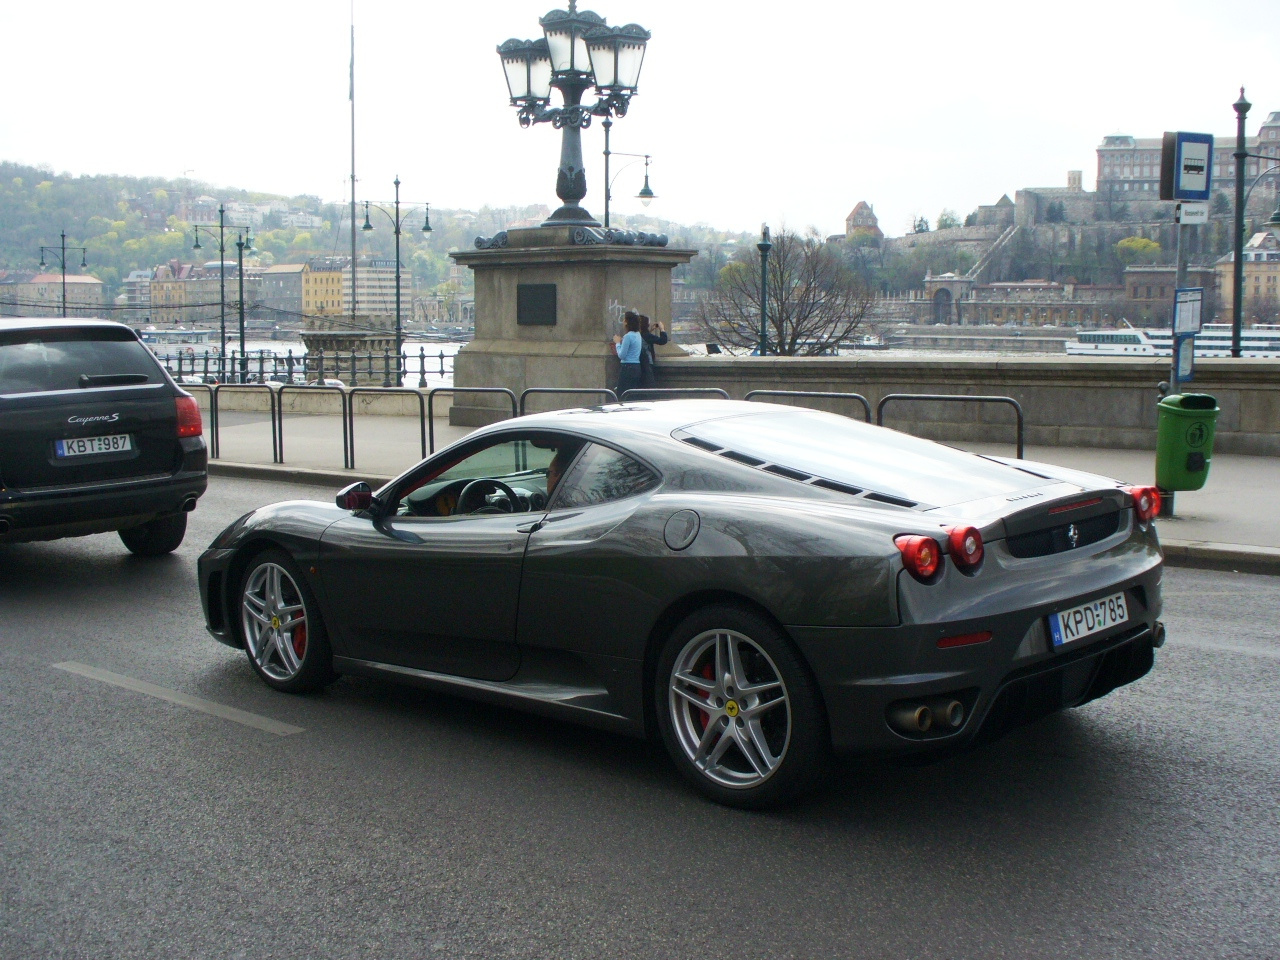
x=189, y=422
x=920, y=555
x=966, y=546
x=1146, y=501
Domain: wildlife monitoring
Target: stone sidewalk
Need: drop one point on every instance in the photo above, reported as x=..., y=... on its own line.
x=1234, y=523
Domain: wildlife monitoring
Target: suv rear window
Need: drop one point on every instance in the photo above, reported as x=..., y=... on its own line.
x=33, y=361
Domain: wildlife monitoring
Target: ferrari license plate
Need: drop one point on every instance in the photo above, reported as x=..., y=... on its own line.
x=84, y=446
x=1067, y=626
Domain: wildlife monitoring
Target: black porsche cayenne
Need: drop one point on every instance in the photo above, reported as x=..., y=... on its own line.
x=94, y=436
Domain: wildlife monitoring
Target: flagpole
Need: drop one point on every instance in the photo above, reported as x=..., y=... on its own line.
x=352, y=96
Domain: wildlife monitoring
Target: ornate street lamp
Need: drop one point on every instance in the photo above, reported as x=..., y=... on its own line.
x=578, y=51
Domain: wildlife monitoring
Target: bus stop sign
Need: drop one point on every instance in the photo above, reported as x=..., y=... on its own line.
x=1186, y=166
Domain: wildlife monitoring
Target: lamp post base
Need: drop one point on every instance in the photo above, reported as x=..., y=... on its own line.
x=571, y=215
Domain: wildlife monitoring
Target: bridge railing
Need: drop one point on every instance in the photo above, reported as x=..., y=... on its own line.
x=591, y=391
x=431, y=399
x=955, y=398
x=817, y=395
x=383, y=392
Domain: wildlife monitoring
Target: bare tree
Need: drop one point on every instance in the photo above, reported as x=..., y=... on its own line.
x=816, y=299
x=1264, y=309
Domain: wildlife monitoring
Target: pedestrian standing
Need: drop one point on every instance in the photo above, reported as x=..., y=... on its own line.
x=648, y=357
x=629, y=348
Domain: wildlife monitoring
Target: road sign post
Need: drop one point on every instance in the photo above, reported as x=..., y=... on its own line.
x=1186, y=175
x=1188, y=303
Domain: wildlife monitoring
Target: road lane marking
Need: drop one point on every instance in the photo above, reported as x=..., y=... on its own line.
x=181, y=699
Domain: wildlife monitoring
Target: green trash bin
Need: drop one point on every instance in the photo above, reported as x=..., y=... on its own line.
x=1184, y=440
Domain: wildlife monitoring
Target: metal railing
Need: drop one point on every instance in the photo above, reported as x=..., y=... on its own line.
x=259, y=366
x=347, y=454
x=593, y=391
x=955, y=398
x=426, y=407
x=273, y=413
x=431, y=399
x=382, y=392
x=671, y=391
x=866, y=404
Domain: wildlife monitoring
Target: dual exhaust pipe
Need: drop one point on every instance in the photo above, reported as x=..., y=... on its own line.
x=937, y=715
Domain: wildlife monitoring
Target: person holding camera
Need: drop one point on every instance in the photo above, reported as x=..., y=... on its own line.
x=648, y=358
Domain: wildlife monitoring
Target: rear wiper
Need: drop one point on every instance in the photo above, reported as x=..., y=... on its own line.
x=112, y=379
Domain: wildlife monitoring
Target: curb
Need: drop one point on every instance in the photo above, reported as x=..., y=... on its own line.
x=285, y=474
x=1208, y=555
x=1198, y=554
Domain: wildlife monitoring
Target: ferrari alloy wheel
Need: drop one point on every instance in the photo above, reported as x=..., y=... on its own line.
x=737, y=709
x=281, y=627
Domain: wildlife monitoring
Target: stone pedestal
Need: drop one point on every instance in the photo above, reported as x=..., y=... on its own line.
x=520, y=343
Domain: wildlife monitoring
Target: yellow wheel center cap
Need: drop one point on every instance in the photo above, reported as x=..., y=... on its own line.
x=275, y=623
x=731, y=708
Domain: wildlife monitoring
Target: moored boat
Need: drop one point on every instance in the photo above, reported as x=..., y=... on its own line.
x=1214, y=340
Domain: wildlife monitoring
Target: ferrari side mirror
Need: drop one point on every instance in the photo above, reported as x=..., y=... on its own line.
x=358, y=496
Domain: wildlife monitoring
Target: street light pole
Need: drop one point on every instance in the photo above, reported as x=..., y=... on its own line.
x=607, y=123
x=397, y=223
x=62, y=260
x=242, y=243
x=222, y=287
x=646, y=194
x=764, y=246
x=1241, y=107
x=399, y=330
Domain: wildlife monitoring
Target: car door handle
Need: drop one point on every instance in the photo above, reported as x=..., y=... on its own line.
x=530, y=527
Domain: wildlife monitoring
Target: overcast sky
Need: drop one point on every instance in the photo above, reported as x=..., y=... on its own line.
x=786, y=112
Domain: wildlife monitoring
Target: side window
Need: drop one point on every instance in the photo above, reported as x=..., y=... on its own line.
x=603, y=474
x=527, y=465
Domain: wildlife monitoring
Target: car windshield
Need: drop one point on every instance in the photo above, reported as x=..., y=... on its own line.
x=33, y=361
x=859, y=455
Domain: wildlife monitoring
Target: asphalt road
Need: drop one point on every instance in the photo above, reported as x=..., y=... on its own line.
x=400, y=823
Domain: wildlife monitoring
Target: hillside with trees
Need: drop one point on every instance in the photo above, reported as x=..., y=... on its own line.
x=135, y=223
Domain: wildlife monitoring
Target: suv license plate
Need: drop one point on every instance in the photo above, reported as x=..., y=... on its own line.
x=84, y=446
x=1068, y=626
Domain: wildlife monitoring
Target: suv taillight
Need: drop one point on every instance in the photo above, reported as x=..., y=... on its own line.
x=920, y=555
x=189, y=422
x=1146, y=501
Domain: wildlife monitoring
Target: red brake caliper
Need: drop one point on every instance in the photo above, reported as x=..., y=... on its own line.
x=300, y=639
